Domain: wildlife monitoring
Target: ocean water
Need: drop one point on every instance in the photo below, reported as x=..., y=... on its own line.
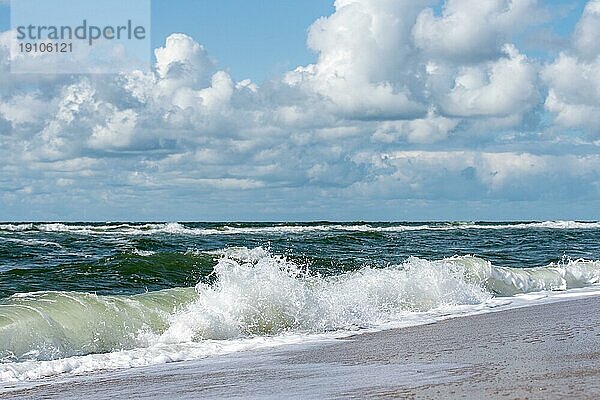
x=83, y=297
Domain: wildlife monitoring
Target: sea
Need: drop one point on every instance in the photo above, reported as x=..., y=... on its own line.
x=78, y=298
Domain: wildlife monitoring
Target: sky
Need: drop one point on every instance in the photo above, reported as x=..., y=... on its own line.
x=318, y=110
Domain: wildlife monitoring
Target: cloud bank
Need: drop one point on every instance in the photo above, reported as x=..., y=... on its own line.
x=407, y=113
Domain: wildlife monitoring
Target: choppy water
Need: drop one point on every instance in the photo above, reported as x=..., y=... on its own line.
x=82, y=297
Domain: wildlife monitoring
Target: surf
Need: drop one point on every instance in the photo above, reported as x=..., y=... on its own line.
x=176, y=228
x=255, y=294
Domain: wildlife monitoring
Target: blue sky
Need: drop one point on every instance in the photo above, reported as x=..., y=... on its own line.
x=253, y=39
x=304, y=110
x=262, y=39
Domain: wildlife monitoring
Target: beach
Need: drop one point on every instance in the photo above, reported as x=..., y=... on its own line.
x=327, y=199
x=537, y=352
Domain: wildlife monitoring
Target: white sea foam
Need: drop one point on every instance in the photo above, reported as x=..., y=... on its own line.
x=143, y=253
x=30, y=242
x=16, y=227
x=175, y=228
x=260, y=299
x=259, y=294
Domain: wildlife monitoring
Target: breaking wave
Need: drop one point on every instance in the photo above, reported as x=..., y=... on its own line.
x=255, y=298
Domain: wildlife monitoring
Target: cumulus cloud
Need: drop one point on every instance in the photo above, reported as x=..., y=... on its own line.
x=116, y=133
x=587, y=31
x=400, y=104
x=573, y=78
x=364, y=68
x=421, y=130
x=500, y=88
x=182, y=59
x=472, y=30
x=468, y=174
x=574, y=92
x=23, y=109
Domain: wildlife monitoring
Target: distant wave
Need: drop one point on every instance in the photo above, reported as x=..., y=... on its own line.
x=256, y=297
x=176, y=228
x=16, y=227
x=143, y=253
x=30, y=242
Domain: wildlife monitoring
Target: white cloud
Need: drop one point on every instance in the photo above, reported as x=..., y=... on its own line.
x=472, y=30
x=499, y=88
x=364, y=69
x=573, y=77
x=400, y=104
x=467, y=174
x=212, y=99
x=117, y=132
x=183, y=60
x=422, y=130
x=26, y=108
x=574, y=94
x=587, y=32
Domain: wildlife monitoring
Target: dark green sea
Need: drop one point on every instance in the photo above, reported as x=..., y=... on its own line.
x=78, y=297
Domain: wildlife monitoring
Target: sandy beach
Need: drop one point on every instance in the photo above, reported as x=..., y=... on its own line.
x=538, y=352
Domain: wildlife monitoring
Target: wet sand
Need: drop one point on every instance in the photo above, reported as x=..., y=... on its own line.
x=548, y=351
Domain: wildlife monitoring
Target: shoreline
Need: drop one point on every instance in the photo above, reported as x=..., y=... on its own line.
x=540, y=351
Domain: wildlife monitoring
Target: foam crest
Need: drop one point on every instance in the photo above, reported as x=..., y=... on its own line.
x=176, y=228
x=257, y=294
x=16, y=227
x=30, y=242
x=256, y=297
x=505, y=281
